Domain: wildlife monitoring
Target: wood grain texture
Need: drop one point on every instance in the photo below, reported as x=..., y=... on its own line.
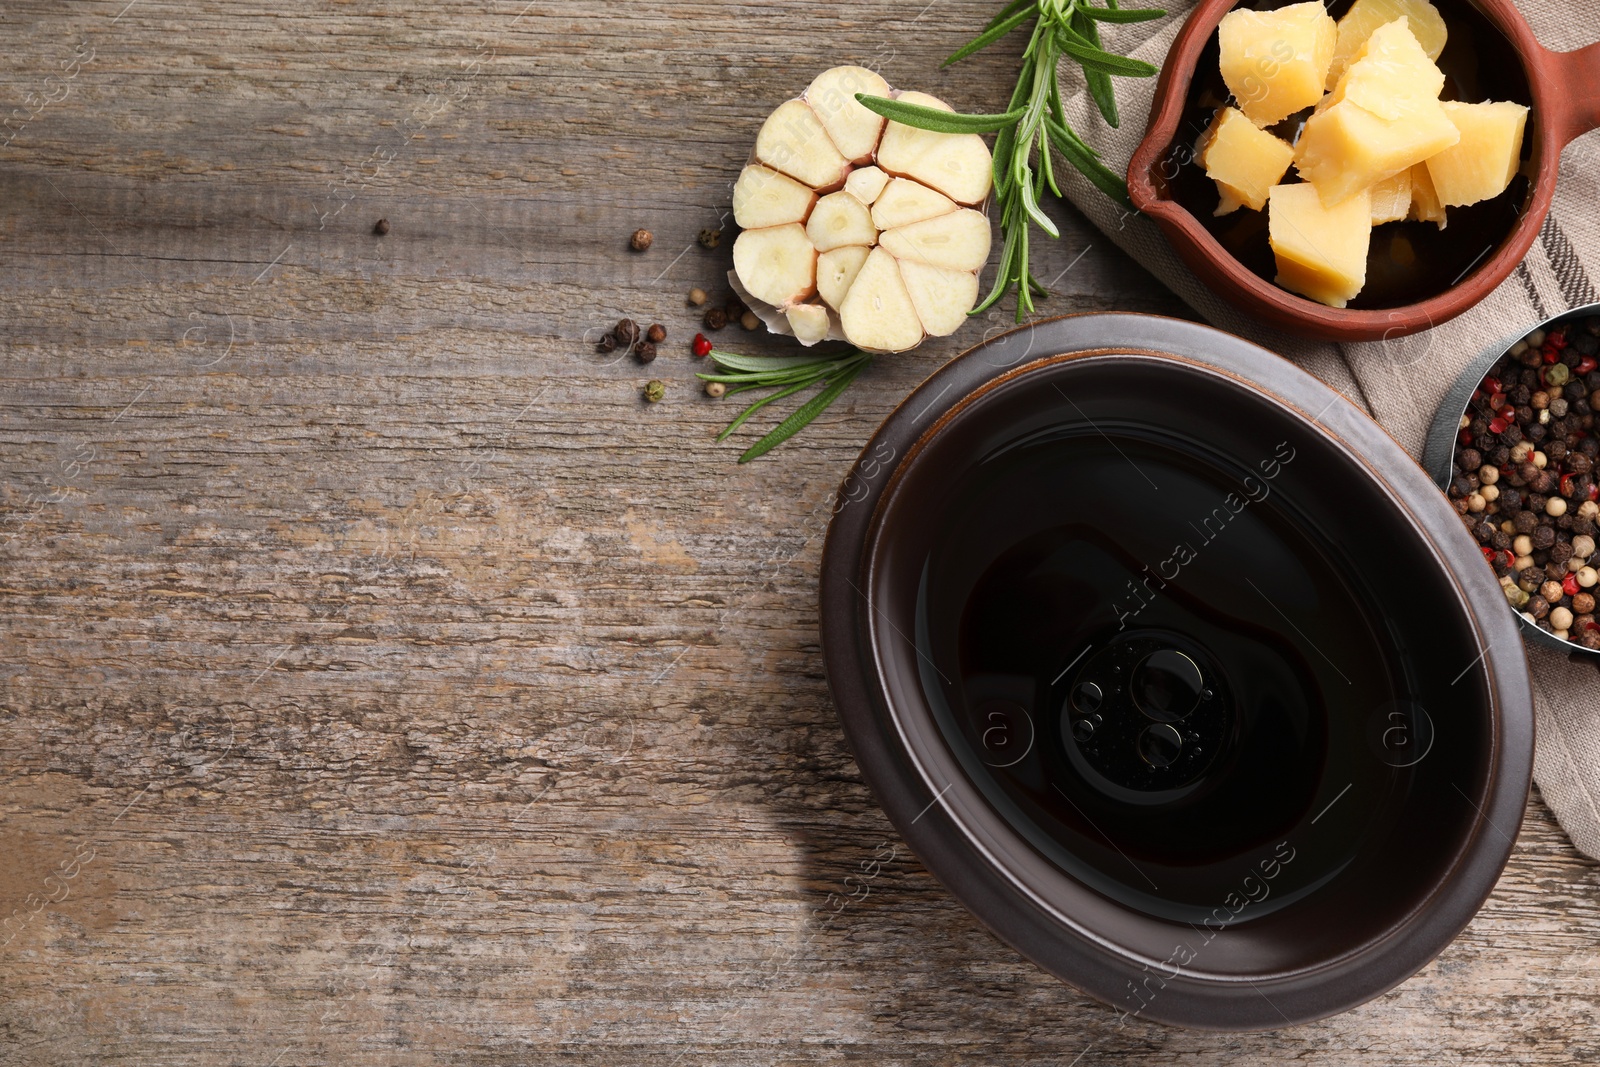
x=384, y=682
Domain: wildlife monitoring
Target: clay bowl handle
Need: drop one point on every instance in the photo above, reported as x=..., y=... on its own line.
x=1576, y=78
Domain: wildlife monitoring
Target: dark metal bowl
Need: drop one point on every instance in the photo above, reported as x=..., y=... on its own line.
x=1327, y=910
x=1440, y=448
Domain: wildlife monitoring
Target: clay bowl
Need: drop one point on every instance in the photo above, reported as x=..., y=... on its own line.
x=1206, y=790
x=1491, y=54
x=1440, y=448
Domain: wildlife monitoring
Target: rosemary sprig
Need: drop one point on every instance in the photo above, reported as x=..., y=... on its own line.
x=1034, y=121
x=788, y=375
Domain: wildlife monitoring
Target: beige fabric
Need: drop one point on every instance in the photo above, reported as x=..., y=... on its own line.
x=1401, y=382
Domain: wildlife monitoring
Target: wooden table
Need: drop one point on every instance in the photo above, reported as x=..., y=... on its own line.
x=383, y=681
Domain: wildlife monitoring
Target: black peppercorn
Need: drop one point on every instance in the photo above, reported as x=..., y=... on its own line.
x=1580, y=463
x=1483, y=531
x=1510, y=500
x=1501, y=540
x=645, y=351
x=1537, y=606
x=656, y=333
x=716, y=319
x=607, y=342
x=1459, y=486
x=1525, y=521
x=380, y=227
x=1543, y=537
x=1500, y=456
x=1560, y=552
x=627, y=332
x=1470, y=459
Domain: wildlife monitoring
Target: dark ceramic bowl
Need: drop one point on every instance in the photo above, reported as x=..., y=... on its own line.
x=1177, y=671
x=1492, y=54
x=1439, y=450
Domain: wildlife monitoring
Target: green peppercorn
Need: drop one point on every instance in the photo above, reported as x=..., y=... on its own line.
x=655, y=390
x=1557, y=374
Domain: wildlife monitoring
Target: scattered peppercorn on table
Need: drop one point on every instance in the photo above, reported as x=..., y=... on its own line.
x=386, y=681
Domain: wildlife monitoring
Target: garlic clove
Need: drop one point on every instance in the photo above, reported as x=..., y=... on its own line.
x=777, y=264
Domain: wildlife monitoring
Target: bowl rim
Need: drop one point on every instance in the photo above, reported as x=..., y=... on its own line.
x=1220, y=271
x=925, y=815
x=1440, y=449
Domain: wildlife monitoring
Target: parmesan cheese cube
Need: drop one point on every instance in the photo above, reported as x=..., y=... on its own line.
x=1425, y=205
x=1365, y=16
x=1391, y=75
x=1276, y=62
x=1346, y=149
x=1321, y=251
x=1244, y=160
x=1482, y=163
x=1391, y=200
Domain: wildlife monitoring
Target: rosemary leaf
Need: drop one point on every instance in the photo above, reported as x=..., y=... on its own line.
x=787, y=375
x=762, y=364
x=758, y=405
x=1079, y=155
x=996, y=30
x=1009, y=10
x=931, y=118
x=1127, y=14
x=1097, y=81
x=1091, y=57
x=802, y=415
